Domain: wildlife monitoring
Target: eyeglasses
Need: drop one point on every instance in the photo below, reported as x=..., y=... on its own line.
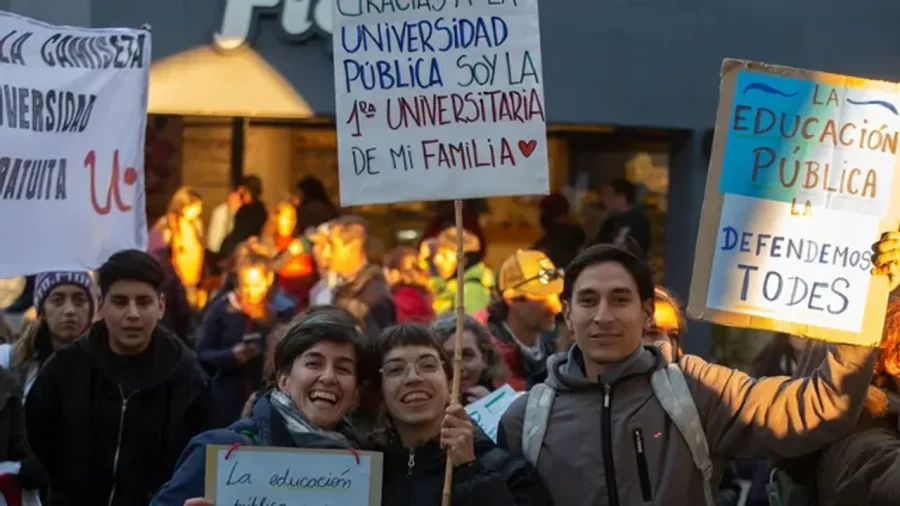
x=545, y=277
x=398, y=369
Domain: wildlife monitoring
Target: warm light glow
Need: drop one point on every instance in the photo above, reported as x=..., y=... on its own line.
x=203, y=81
x=254, y=284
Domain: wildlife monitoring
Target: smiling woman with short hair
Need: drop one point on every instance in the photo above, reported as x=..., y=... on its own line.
x=317, y=373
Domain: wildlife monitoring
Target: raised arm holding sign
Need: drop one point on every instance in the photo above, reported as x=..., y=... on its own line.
x=803, y=177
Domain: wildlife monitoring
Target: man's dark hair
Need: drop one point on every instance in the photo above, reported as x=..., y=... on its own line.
x=633, y=262
x=309, y=330
x=130, y=265
x=253, y=184
x=624, y=187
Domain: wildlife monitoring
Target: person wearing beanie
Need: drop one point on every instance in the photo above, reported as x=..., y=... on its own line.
x=109, y=415
x=64, y=302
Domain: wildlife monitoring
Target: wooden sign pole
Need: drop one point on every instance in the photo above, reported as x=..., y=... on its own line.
x=460, y=316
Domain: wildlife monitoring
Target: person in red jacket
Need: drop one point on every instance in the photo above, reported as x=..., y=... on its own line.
x=409, y=285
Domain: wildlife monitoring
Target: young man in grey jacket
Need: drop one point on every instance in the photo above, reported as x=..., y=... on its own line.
x=609, y=440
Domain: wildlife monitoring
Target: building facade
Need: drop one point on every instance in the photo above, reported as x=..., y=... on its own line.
x=622, y=78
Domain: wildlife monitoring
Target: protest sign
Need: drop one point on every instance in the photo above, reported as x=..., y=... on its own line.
x=487, y=411
x=263, y=476
x=440, y=102
x=802, y=182
x=73, y=109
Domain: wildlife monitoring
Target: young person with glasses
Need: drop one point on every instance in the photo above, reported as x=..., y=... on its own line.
x=423, y=428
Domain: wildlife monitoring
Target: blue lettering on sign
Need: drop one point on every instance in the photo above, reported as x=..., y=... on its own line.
x=438, y=36
x=416, y=73
x=817, y=295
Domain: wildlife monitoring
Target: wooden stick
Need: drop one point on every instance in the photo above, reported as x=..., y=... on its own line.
x=460, y=317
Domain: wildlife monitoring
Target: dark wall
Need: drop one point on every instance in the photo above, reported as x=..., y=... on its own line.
x=626, y=62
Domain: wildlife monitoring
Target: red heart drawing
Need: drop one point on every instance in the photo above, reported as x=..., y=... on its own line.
x=527, y=147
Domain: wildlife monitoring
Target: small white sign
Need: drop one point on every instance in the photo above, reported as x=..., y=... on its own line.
x=488, y=410
x=291, y=476
x=73, y=112
x=444, y=101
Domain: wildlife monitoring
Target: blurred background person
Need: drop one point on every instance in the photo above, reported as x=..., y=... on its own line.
x=626, y=218
x=478, y=279
x=360, y=286
x=523, y=318
x=293, y=258
x=322, y=291
x=482, y=368
x=231, y=340
x=563, y=237
x=177, y=241
x=249, y=219
x=445, y=217
x=409, y=286
x=221, y=220
x=668, y=326
x=314, y=207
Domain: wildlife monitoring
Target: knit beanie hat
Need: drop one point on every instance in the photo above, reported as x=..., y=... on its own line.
x=45, y=282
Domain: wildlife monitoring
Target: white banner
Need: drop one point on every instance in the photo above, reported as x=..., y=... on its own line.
x=442, y=101
x=73, y=110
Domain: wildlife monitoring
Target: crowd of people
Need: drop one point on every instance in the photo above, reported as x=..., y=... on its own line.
x=275, y=329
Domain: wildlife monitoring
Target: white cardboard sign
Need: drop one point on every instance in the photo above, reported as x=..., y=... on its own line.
x=73, y=110
x=440, y=102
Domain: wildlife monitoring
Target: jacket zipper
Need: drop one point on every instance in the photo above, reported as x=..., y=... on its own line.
x=115, y=472
x=411, y=463
x=643, y=472
x=609, y=468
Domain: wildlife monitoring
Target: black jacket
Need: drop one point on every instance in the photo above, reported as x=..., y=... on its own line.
x=109, y=435
x=13, y=443
x=496, y=478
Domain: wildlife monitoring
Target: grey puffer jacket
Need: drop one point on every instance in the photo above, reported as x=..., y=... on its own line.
x=610, y=443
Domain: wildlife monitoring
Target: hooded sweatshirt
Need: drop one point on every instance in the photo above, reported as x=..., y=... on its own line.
x=110, y=428
x=610, y=443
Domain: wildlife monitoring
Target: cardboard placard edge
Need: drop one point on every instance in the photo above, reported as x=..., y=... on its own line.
x=873, y=316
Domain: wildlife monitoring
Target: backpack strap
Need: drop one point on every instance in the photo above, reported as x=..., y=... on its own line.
x=672, y=392
x=537, y=415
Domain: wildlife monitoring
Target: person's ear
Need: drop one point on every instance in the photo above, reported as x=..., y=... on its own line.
x=566, y=310
x=162, y=305
x=648, y=307
x=282, y=382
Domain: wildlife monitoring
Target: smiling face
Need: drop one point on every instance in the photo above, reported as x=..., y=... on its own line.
x=472, y=359
x=322, y=383
x=414, y=385
x=131, y=311
x=606, y=315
